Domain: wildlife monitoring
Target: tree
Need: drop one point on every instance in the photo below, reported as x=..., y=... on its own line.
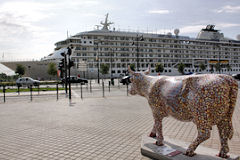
x=202, y=66
x=181, y=67
x=104, y=68
x=229, y=67
x=159, y=67
x=52, y=69
x=218, y=67
x=132, y=66
x=20, y=69
x=3, y=76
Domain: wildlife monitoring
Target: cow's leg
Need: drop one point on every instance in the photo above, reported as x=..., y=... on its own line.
x=158, y=125
x=153, y=132
x=224, y=129
x=203, y=134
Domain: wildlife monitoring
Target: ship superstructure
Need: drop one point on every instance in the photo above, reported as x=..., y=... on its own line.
x=120, y=49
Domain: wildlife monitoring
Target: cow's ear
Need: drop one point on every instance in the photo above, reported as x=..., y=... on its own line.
x=147, y=71
x=130, y=70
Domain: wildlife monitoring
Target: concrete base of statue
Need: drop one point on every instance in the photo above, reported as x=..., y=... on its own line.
x=174, y=149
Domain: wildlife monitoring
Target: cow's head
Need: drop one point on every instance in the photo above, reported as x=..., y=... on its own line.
x=138, y=81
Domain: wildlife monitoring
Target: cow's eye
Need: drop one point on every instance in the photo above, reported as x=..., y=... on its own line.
x=131, y=79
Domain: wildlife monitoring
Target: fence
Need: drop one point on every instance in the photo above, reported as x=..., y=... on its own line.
x=89, y=90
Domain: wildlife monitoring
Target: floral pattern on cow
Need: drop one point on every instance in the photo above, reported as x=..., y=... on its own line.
x=206, y=100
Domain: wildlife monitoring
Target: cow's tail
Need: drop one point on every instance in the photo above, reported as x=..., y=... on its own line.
x=233, y=98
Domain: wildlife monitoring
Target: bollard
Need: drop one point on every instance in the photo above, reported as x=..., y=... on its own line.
x=4, y=97
x=38, y=89
x=18, y=89
x=81, y=91
x=127, y=89
x=31, y=92
x=109, y=84
x=57, y=90
x=103, y=87
x=86, y=85
x=90, y=86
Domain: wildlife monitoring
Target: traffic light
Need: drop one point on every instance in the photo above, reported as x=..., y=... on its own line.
x=61, y=67
x=71, y=64
x=69, y=52
x=61, y=64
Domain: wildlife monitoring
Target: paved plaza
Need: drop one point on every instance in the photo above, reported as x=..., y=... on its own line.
x=92, y=128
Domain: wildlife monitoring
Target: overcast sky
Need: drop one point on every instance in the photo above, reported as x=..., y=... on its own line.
x=30, y=28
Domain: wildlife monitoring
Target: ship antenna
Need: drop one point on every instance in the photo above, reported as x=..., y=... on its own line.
x=106, y=23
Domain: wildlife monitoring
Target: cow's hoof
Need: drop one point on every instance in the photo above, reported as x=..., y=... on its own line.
x=223, y=155
x=153, y=135
x=190, y=153
x=159, y=143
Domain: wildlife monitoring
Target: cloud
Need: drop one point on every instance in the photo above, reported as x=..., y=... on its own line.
x=163, y=11
x=227, y=25
x=196, y=28
x=228, y=9
x=28, y=29
x=191, y=28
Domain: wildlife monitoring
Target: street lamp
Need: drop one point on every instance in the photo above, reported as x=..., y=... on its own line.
x=98, y=41
x=219, y=65
x=138, y=38
x=111, y=53
x=70, y=64
x=65, y=70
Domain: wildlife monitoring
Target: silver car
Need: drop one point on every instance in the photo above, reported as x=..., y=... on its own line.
x=27, y=81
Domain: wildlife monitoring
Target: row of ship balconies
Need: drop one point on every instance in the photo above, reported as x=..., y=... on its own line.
x=163, y=42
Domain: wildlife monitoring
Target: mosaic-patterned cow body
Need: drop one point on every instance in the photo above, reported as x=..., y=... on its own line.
x=206, y=100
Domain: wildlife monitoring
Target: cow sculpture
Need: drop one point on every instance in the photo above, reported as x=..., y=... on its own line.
x=206, y=100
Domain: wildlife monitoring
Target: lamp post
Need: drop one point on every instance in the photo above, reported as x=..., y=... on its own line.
x=69, y=69
x=65, y=70
x=97, y=41
x=111, y=53
x=138, y=38
x=219, y=65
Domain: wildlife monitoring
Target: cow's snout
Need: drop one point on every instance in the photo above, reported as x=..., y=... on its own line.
x=132, y=91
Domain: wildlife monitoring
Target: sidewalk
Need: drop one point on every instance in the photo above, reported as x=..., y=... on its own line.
x=92, y=128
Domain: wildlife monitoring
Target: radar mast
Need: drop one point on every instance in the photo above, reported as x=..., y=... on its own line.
x=106, y=24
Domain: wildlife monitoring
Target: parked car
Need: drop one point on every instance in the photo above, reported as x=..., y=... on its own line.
x=236, y=76
x=74, y=79
x=27, y=81
x=125, y=80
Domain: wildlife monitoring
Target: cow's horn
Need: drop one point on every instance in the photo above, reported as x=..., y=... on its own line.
x=148, y=70
x=129, y=70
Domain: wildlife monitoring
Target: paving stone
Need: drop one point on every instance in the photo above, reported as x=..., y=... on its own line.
x=95, y=128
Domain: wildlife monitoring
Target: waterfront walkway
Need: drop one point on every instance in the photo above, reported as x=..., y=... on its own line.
x=92, y=128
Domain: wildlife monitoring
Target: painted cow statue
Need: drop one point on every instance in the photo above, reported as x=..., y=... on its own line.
x=206, y=100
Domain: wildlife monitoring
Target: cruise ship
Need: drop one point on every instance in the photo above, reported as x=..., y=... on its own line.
x=120, y=49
